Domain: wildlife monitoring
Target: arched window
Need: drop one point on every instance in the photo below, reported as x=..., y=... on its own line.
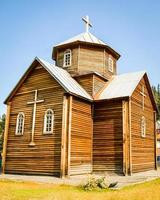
x=20, y=124
x=48, y=121
x=143, y=126
x=110, y=64
x=67, y=58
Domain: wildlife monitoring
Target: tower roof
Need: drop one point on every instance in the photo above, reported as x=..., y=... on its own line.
x=83, y=37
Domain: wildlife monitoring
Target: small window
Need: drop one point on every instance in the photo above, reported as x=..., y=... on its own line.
x=48, y=121
x=20, y=124
x=158, y=144
x=143, y=127
x=110, y=64
x=67, y=58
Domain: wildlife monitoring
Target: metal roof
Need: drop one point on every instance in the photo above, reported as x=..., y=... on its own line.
x=65, y=79
x=83, y=37
x=121, y=86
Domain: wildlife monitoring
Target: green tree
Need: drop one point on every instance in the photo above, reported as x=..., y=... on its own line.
x=156, y=92
x=2, y=125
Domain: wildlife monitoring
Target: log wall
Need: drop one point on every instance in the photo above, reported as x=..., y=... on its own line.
x=142, y=149
x=108, y=137
x=44, y=157
x=81, y=138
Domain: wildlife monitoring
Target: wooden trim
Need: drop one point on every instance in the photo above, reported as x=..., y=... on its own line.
x=130, y=139
x=104, y=55
x=5, y=137
x=69, y=133
x=124, y=121
x=64, y=136
x=155, y=140
x=92, y=113
x=78, y=58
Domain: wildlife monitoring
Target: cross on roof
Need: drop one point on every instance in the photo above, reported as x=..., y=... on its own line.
x=143, y=96
x=87, y=23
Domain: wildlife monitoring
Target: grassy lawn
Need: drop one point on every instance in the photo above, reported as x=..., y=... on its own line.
x=11, y=190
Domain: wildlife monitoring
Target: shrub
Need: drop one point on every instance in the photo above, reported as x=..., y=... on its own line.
x=93, y=183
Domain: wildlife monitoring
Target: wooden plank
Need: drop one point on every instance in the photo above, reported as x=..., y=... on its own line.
x=64, y=136
x=69, y=134
x=125, y=133
x=130, y=139
x=6, y=137
x=155, y=140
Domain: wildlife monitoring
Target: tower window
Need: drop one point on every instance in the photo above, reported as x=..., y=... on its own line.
x=110, y=64
x=143, y=126
x=67, y=58
x=20, y=124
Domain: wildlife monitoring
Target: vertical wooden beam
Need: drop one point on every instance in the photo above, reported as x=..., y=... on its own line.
x=78, y=58
x=130, y=137
x=92, y=115
x=124, y=118
x=64, y=136
x=155, y=141
x=5, y=137
x=69, y=133
x=104, y=63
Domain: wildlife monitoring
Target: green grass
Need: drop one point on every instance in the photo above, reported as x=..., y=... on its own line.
x=16, y=190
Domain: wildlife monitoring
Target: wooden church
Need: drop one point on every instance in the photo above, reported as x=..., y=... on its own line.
x=78, y=116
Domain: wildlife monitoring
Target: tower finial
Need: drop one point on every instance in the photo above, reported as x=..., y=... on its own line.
x=87, y=23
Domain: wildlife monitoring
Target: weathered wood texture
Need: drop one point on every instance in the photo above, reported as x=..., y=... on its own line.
x=44, y=158
x=108, y=137
x=98, y=84
x=92, y=83
x=126, y=138
x=87, y=82
x=60, y=59
x=143, y=152
x=87, y=58
x=81, y=138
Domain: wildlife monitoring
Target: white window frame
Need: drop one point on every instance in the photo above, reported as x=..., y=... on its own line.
x=143, y=127
x=158, y=144
x=67, y=53
x=17, y=123
x=45, y=122
x=110, y=64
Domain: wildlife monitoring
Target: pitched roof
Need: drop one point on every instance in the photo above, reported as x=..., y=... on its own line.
x=83, y=37
x=61, y=76
x=121, y=86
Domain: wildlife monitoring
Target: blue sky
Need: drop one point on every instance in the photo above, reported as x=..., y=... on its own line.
x=30, y=28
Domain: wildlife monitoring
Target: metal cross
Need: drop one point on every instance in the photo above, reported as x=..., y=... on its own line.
x=34, y=115
x=87, y=23
x=143, y=96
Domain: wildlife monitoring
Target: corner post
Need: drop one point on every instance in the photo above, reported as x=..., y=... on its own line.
x=155, y=141
x=130, y=138
x=69, y=134
x=5, y=137
x=64, y=137
x=125, y=133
